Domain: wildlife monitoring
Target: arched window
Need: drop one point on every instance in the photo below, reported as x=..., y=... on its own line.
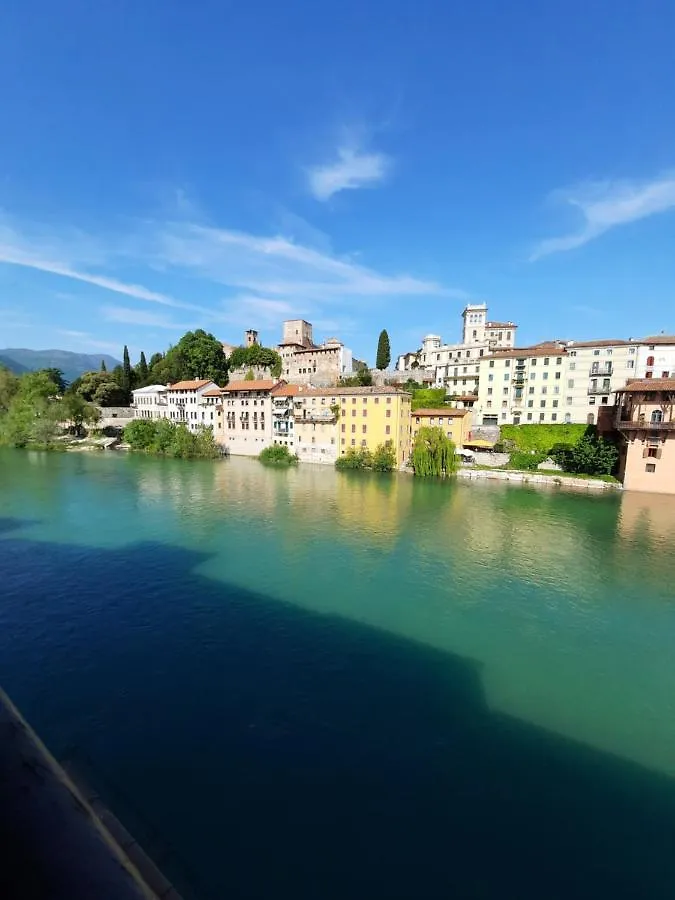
x=650, y=360
x=657, y=416
x=589, y=419
x=568, y=418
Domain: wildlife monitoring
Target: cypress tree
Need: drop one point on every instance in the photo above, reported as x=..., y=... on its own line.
x=383, y=351
x=142, y=369
x=104, y=368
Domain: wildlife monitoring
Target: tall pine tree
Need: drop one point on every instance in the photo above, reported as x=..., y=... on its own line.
x=383, y=351
x=142, y=370
x=104, y=368
x=126, y=373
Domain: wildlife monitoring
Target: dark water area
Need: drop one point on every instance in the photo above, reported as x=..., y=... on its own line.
x=314, y=685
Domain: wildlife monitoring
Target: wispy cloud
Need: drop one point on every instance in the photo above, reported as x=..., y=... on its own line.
x=608, y=204
x=87, y=342
x=142, y=317
x=352, y=168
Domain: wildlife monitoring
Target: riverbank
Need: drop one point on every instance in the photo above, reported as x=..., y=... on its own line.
x=538, y=478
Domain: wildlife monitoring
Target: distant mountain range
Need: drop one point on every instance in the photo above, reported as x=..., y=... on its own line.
x=71, y=364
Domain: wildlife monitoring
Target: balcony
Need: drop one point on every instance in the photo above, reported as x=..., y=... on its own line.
x=316, y=415
x=598, y=371
x=642, y=424
x=604, y=389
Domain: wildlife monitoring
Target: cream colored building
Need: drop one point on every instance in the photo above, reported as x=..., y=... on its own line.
x=457, y=366
x=246, y=425
x=645, y=417
x=456, y=423
x=522, y=387
x=656, y=357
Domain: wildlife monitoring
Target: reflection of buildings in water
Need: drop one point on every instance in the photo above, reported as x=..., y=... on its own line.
x=647, y=517
x=372, y=505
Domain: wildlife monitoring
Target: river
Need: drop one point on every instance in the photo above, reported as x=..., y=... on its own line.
x=313, y=684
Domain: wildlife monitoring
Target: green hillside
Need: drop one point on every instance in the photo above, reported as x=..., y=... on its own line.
x=71, y=364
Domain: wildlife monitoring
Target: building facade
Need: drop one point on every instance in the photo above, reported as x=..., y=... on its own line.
x=185, y=404
x=457, y=366
x=645, y=418
x=656, y=357
x=456, y=423
x=150, y=402
x=304, y=362
x=245, y=426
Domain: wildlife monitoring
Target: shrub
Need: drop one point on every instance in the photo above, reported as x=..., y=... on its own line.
x=165, y=438
x=523, y=460
x=355, y=459
x=384, y=458
x=278, y=455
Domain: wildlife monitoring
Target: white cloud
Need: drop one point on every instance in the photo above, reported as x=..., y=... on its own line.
x=605, y=205
x=351, y=170
x=142, y=317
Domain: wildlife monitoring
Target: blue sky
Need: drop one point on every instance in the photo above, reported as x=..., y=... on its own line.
x=169, y=165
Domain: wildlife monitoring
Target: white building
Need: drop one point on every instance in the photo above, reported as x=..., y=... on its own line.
x=188, y=405
x=246, y=425
x=150, y=402
x=656, y=357
x=457, y=366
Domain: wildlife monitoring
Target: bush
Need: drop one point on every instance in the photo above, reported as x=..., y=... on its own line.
x=589, y=456
x=384, y=458
x=163, y=437
x=355, y=459
x=278, y=455
x=521, y=459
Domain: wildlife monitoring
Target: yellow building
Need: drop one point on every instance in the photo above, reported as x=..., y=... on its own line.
x=371, y=416
x=454, y=422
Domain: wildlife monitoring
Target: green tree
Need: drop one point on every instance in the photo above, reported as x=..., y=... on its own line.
x=75, y=410
x=142, y=371
x=201, y=356
x=256, y=356
x=249, y=376
x=100, y=388
x=354, y=459
x=433, y=453
x=126, y=370
x=384, y=458
x=383, y=351
x=104, y=368
x=591, y=455
x=9, y=388
x=278, y=455
x=56, y=377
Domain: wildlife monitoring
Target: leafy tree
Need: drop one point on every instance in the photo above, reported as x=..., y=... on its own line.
x=142, y=371
x=163, y=437
x=591, y=455
x=256, y=356
x=201, y=356
x=56, y=377
x=384, y=458
x=155, y=359
x=110, y=394
x=100, y=388
x=355, y=458
x=433, y=453
x=32, y=415
x=9, y=388
x=75, y=410
x=35, y=386
x=249, y=376
x=383, y=351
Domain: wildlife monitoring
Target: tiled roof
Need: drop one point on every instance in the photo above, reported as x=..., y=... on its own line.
x=500, y=325
x=452, y=412
x=213, y=392
x=189, y=385
x=649, y=384
x=523, y=352
x=604, y=342
x=285, y=390
x=659, y=339
x=263, y=384
x=306, y=391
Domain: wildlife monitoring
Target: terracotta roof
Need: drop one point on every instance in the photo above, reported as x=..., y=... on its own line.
x=306, y=391
x=649, y=384
x=659, y=339
x=190, y=385
x=500, y=325
x=523, y=352
x=450, y=411
x=213, y=392
x=263, y=384
x=285, y=390
x=604, y=342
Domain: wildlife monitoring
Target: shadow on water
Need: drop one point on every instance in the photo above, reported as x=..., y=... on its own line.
x=295, y=755
x=9, y=523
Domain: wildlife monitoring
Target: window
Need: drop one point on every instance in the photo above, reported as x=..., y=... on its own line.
x=365, y=412
x=650, y=360
x=530, y=390
x=547, y=360
x=557, y=376
x=648, y=374
x=530, y=403
x=657, y=416
x=650, y=467
x=364, y=429
x=507, y=363
x=377, y=400
x=544, y=391
x=353, y=429
x=545, y=376
x=665, y=374
x=556, y=389
x=353, y=412
x=631, y=350
x=542, y=404
x=491, y=377
x=604, y=400
x=506, y=376
x=652, y=452
x=572, y=366
x=532, y=376
x=489, y=404
x=492, y=363
x=568, y=418
x=596, y=353
x=489, y=390
x=542, y=416
x=505, y=392
x=388, y=413
x=570, y=383
x=568, y=401
x=344, y=428
x=554, y=417
x=533, y=362
x=591, y=401
x=387, y=430
x=558, y=361
x=529, y=417
x=555, y=404
x=388, y=399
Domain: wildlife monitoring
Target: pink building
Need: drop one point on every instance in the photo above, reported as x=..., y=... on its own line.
x=645, y=418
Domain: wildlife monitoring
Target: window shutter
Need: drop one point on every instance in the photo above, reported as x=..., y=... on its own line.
x=659, y=452
x=645, y=452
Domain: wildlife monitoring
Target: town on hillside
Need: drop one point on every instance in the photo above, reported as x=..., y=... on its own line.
x=321, y=404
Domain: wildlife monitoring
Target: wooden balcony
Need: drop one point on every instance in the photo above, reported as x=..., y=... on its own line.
x=626, y=424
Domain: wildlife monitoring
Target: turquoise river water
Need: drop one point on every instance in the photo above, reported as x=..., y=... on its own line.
x=309, y=684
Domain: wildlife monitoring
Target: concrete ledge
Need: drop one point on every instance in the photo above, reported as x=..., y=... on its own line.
x=536, y=478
